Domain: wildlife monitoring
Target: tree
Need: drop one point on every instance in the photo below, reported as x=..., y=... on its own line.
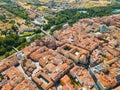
x=7, y=54
x=15, y=28
x=12, y=21
x=3, y=32
x=2, y=50
x=9, y=41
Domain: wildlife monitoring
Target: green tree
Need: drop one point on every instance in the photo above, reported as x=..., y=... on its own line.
x=15, y=28
x=2, y=50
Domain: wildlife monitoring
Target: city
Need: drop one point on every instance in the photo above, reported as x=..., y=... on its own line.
x=81, y=56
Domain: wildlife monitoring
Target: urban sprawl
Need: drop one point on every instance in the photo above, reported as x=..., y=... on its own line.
x=82, y=57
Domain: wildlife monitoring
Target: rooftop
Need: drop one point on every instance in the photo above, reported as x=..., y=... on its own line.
x=8, y=62
x=86, y=53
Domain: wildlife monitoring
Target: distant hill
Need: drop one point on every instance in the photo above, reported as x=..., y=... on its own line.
x=32, y=1
x=73, y=3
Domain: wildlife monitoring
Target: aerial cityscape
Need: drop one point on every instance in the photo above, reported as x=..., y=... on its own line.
x=59, y=45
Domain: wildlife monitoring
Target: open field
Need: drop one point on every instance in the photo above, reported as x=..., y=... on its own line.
x=27, y=34
x=75, y=3
x=5, y=26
